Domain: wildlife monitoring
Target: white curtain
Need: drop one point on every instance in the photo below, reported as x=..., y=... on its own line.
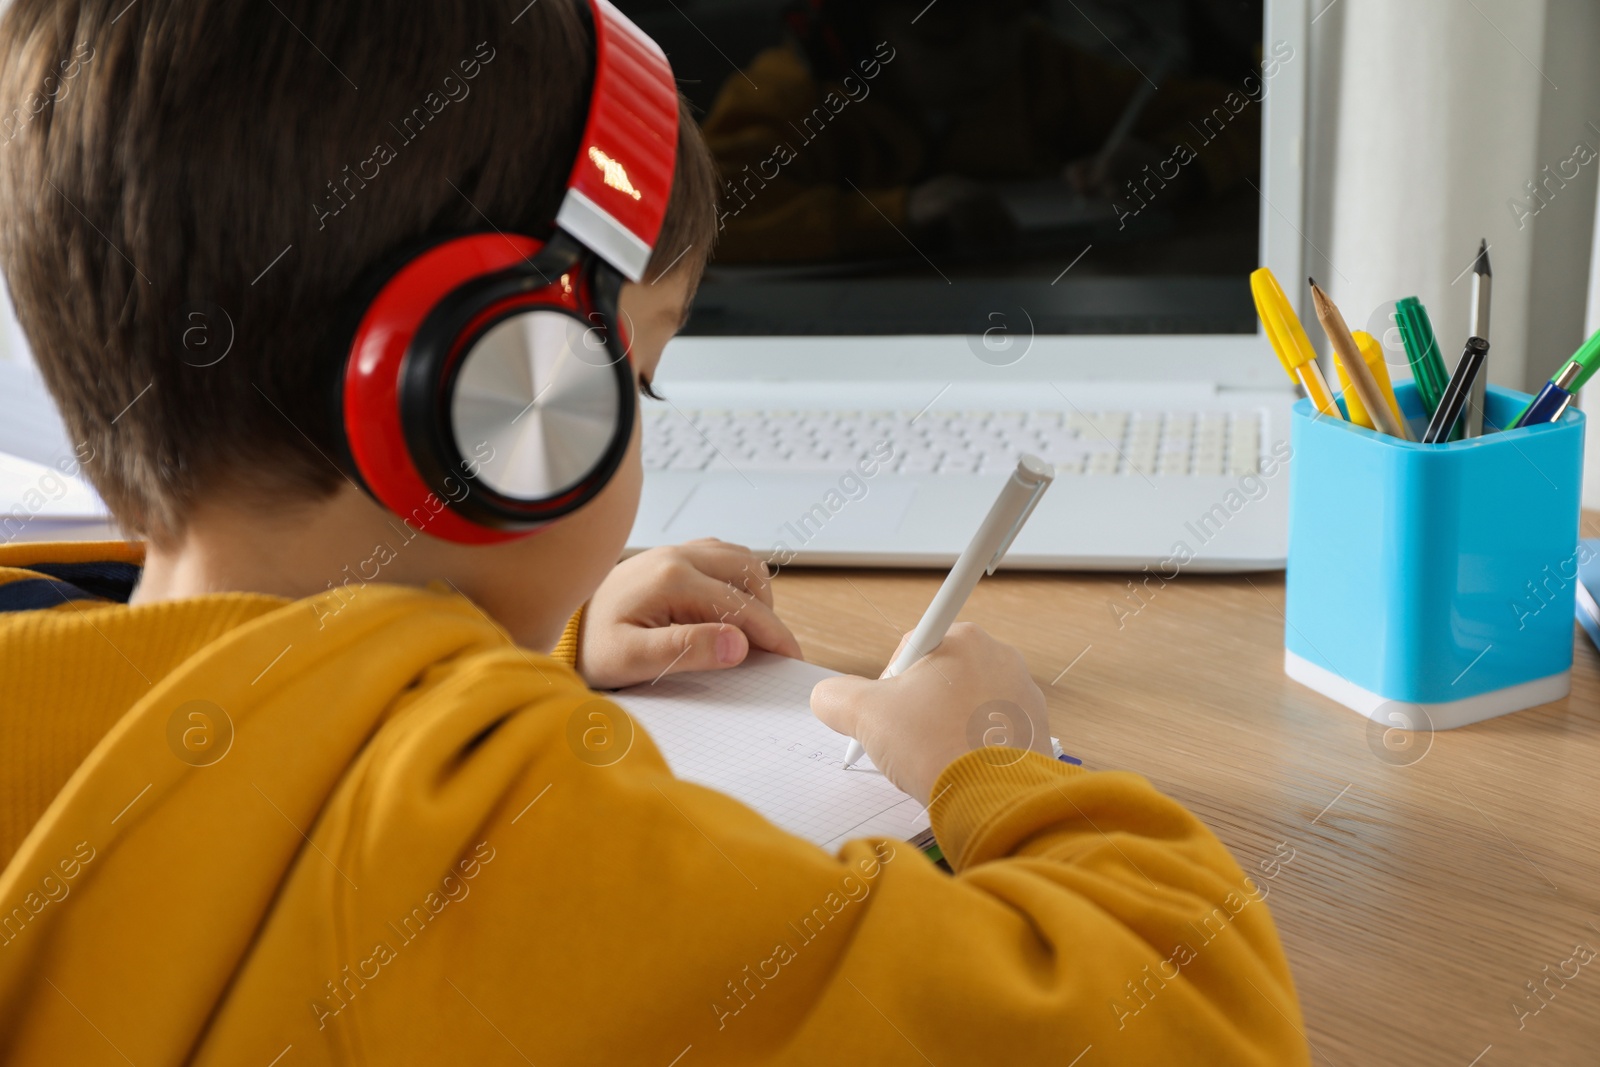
x=1433, y=123
x=1590, y=399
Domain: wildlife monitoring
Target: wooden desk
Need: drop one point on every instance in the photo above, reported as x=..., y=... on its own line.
x=1415, y=896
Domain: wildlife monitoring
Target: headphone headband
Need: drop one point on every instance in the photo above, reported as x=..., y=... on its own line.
x=622, y=179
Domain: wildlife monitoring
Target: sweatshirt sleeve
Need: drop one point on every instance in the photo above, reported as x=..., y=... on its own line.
x=600, y=909
x=566, y=649
x=1086, y=910
x=1119, y=902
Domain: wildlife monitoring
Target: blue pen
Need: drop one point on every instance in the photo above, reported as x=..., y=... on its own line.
x=1552, y=401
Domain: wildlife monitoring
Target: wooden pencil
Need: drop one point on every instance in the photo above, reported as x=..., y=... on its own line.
x=1355, y=367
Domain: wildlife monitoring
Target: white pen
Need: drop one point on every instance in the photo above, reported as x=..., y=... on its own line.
x=1011, y=509
x=1472, y=425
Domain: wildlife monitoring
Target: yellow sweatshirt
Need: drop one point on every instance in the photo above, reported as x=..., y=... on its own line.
x=357, y=829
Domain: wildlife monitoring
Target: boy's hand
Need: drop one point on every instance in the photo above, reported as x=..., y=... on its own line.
x=699, y=606
x=971, y=692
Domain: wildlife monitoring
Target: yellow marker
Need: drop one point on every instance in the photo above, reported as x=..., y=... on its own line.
x=1378, y=364
x=1290, y=342
x=1372, y=356
x=1352, y=399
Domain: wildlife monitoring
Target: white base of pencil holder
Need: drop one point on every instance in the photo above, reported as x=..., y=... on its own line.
x=1446, y=715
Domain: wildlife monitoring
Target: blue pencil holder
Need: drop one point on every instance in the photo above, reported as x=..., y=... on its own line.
x=1433, y=585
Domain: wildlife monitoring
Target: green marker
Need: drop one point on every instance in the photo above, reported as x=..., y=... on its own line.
x=1587, y=357
x=1553, y=399
x=1422, y=350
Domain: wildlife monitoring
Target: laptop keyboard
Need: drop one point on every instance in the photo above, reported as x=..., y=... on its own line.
x=1183, y=443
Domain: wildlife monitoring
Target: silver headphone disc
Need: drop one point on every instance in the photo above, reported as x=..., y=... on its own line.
x=535, y=405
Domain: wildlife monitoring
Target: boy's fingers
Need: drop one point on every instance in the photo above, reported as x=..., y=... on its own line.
x=837, y=702
x=704, y=646
x=717, y=600
x=765, y=630
x=714, y=541
x=733, y=564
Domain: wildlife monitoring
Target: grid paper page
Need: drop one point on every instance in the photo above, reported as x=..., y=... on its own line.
x=749, y=732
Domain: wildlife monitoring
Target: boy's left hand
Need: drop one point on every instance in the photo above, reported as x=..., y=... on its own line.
x=698, y=606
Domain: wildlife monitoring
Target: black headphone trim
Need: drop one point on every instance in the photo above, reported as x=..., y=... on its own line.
x=427, y=388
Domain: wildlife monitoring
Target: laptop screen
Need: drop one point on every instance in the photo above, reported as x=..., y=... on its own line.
x=921, y=168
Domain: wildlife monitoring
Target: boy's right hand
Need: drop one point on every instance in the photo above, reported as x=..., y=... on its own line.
x=970, y=692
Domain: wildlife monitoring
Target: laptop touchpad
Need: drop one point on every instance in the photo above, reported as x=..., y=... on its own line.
x=799, y=511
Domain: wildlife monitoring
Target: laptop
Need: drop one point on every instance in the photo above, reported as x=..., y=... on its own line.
x=857, y=398
x=861, y=406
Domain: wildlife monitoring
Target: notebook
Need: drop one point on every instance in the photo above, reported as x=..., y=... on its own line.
x=749, y=732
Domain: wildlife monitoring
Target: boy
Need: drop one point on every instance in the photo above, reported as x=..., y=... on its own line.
x=297, y=782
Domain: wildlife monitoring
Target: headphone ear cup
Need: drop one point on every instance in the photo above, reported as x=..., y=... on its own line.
x=537, y=404
x=398, y=299
x=479, y=400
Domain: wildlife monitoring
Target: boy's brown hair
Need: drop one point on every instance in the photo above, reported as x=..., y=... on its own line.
x=195, y=190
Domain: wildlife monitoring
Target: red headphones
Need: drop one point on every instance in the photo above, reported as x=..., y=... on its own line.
x=488, y=388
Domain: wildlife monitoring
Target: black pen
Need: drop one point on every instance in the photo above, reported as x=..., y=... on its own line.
x=1456, y=393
